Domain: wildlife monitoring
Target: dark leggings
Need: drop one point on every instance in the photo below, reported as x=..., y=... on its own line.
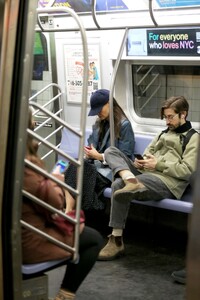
x=91, y=242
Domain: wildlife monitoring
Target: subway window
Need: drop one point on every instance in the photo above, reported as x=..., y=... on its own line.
x=169, y=68
x=154, y=83
x=41, y=75
x=40, y=62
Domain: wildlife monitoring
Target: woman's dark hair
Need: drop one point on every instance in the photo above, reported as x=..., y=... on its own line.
x=178, y=103
x=118, y=115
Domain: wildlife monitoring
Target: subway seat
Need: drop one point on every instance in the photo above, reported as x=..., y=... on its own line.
x=183, y=205
x=69, y=144
x=30, y=269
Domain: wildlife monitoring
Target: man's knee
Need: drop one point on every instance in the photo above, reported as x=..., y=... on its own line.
x=110, y=149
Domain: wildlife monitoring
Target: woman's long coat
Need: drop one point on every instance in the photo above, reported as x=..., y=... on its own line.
x=36, y=248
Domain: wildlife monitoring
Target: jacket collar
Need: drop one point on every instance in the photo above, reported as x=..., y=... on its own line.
x=183, y=128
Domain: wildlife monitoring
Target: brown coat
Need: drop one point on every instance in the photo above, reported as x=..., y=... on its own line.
x=36, y=248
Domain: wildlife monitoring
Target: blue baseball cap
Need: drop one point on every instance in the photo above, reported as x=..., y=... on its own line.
x=97, y=100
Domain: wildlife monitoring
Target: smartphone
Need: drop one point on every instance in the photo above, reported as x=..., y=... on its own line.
x=60, y=167
x=138, y=156
x=88, y=147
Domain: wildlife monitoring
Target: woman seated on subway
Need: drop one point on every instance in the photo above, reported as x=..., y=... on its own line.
x=35, y=248
x=95, y=168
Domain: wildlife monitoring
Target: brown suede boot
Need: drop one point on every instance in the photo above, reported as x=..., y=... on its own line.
x=130, y=187
x=65, y=295
x=113, y=249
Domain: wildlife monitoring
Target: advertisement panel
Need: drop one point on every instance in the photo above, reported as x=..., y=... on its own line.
x=81, y=6
x=163, y=42
x=74, y=65
x=85, y=5
x=177, y=3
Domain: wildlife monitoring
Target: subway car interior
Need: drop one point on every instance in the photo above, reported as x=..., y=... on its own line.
x=53, y=56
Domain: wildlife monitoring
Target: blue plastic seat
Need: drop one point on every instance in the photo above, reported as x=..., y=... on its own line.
x=183, y=205
x=30, y=269
x=69, y=144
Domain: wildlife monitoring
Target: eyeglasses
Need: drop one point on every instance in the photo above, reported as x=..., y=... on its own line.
x=170, y=118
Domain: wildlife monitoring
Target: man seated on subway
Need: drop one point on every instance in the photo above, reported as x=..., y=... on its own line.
x=164, y=171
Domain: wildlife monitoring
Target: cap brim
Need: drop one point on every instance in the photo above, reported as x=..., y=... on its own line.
x=95, y=111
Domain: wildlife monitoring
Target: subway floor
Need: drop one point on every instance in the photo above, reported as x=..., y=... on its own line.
x=152, y=253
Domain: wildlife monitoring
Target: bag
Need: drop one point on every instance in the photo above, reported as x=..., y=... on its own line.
x=92, y=189
x=66, y=226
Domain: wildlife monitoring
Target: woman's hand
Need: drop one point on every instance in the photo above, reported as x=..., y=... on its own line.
x=82, y=225
x=58, y=176
x=92, y=153
x=70, y=202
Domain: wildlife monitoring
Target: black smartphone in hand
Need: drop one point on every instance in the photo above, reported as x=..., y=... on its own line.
x=138, y=156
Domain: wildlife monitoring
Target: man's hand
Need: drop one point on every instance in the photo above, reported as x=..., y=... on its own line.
x=148, y=163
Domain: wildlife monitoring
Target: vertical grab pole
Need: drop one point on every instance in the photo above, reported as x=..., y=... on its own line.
x=151, y=13
x=83, y=108
x=94, y=14
x=113, y=78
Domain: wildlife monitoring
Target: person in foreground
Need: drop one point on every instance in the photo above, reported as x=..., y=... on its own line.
x=94, y=166
x=163, y=173
x=35, y=248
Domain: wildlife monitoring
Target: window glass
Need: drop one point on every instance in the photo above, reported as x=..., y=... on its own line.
x=40, y=61
x=152, y=84
x=41, y=75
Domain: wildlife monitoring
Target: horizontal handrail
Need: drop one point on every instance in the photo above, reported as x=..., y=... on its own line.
x=50, y=238
x=53, y=116
x=44, y=89
x=49, y=207
x=46, y=121
x=48, y=175
x=52, y=147
x=52, y=100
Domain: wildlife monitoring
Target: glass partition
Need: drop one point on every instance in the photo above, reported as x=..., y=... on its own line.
x=154, y=83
